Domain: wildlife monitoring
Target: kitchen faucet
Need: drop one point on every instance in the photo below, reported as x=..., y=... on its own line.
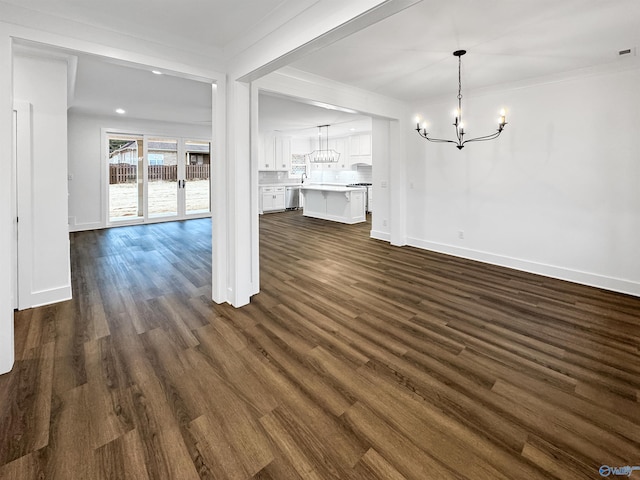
x=303, y=176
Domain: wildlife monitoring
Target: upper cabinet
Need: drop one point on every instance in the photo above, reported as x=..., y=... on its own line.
x=339, y=145
x=275, y=153
x=360, y=149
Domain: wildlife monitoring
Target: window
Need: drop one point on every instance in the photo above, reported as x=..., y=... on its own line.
x=298, y=165
x=156, y=159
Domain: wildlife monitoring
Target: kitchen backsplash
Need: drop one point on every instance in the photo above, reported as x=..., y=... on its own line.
x=361, y=174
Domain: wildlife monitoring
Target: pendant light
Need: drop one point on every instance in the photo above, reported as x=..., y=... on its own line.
x=324, y=154
x=458, y=123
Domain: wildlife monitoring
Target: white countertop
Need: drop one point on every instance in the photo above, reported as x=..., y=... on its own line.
x=279, y=184
x=332, y=188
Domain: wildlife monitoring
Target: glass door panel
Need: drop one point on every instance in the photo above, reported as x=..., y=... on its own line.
x=197, y=193
x=162, y=177
x=125, y=177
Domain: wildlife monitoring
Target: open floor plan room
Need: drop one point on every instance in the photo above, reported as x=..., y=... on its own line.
x=358, y=360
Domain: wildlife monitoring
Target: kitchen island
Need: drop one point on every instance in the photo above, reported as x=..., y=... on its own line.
x=334, y=202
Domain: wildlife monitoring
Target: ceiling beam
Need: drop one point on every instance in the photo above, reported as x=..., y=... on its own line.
x=297, y=38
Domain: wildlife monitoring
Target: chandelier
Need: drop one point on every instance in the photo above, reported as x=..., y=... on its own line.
x=458, y=123
x=323, y=154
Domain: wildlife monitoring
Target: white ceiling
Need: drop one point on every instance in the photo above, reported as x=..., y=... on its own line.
x=103, y=86
x=208, y=27
x=409, y=55
x=406, y=56
x=294, y=117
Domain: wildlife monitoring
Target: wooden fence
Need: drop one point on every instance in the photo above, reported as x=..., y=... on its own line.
x=122, y=173
x=167, y=173
x=125, y=173
x=197, y=172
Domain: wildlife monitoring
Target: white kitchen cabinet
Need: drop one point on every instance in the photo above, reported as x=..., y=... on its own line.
x=272, y=199
x=335, y=203
x=267, y=153
x=360, y=149
x=339, y=146
x=282, y=159
x=276, y=154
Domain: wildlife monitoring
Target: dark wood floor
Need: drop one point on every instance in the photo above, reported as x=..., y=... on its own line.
x=357, y=361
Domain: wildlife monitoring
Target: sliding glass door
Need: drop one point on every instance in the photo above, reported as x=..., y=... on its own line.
x=125, y=177
x=162, y=177
x=152, y=178
x=197, y=185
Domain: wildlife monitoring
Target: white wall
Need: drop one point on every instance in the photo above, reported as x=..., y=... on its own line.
x=86, y=210
x=43, y=83
x=7, y=206
x=381, y=167
x=557, y=194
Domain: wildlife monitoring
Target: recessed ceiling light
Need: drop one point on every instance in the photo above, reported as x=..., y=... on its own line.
x=156, y=72
x=121, y=111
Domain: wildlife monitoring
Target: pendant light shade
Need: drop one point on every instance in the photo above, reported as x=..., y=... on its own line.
x=323, y=154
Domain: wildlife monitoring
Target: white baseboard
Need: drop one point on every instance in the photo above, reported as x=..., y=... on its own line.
x=47, y=297
x=80, y=227
x=6, y=365
x=584, y=278
x=378, y=235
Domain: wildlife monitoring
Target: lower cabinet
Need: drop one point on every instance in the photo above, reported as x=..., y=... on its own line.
x=337, y=204
x=271, y=199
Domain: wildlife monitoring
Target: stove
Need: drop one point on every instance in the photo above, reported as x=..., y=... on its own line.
x=359, y=185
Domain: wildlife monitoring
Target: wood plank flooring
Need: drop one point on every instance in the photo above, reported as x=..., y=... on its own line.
x=358, y=360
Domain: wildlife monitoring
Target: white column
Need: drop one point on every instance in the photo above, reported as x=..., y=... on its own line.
x=398, y=182
x=7, y=282
x=218, y=181
x=241, y=226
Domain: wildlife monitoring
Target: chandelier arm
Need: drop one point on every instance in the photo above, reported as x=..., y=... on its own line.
x=484, y=138
x=437, y=140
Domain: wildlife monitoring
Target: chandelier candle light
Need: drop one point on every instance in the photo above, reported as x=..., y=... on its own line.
x=458, y=123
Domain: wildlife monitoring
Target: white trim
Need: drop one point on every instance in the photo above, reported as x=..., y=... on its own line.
x=255, y=189
x=81, y=227
x=104, y=176
x=25, y=209
x=51, y=295
x=145, y=180
x=7, y=350
x=289, y=45
x=14, y=209
x=331, y=218
x=192, y=68
x=145, y=219
x=378, y=235
x=576, y=276
x=219, y=190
